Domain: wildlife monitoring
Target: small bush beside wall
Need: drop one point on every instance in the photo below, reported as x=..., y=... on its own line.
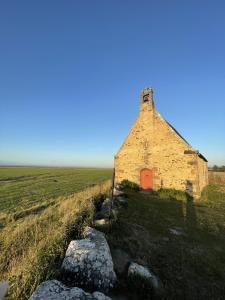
x=130, y=185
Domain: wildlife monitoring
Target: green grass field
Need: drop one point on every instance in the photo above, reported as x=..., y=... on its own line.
x=23, y=187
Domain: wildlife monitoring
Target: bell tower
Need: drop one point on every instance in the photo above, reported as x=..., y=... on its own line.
x=146, y=100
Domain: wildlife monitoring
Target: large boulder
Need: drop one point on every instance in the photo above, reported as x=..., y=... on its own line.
x=55, y=290
x=88, y=262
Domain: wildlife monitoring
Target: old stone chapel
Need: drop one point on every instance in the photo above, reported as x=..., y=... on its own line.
x=154, y=155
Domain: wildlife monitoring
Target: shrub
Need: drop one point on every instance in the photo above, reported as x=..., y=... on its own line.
x=173, y=193
x=98, y=200
x=129, y=185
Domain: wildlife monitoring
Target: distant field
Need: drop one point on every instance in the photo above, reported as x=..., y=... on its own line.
x=217, y=178
x=23, y=187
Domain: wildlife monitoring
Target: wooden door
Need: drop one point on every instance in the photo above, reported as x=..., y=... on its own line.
x=146, y=179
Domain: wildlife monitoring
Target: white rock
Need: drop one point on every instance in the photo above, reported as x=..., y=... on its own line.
x=122, y=200
x=55, y=290
x=3, y=289
x=102, y=222
x=92, y=258
x=100, y=296
x=117, y=192
x=177, y=231
x=137, y=271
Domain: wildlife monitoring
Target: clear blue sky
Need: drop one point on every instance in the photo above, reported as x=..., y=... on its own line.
x=71, y=73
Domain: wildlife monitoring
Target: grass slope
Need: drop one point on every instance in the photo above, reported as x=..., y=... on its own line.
x=41, y=209
x=190, y=265
x=32, y=247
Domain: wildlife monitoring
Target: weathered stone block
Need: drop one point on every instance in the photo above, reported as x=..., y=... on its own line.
x=88, y=262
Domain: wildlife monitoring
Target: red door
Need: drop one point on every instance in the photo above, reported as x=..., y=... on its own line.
x=146, y=179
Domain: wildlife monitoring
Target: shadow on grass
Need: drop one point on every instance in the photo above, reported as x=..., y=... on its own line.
x=189, y=258
x=191, y=215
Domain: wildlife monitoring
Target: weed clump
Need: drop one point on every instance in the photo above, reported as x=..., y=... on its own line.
x=127, y=184
x=97, y=201
x=173, y=194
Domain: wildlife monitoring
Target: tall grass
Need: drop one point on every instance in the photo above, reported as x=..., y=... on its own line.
x=32, y=248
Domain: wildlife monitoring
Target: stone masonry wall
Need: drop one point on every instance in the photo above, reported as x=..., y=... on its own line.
x=133, y=154
x=175, y=169
x=202, y=173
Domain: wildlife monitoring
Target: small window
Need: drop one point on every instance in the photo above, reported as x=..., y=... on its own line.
x=145, y=98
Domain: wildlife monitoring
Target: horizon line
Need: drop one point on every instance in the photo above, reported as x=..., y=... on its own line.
x=54, y=166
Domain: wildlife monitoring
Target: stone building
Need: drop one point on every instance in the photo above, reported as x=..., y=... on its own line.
x=154, y=155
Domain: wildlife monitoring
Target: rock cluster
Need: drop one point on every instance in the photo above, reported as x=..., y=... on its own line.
x=87, y=263
x=55, y=290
